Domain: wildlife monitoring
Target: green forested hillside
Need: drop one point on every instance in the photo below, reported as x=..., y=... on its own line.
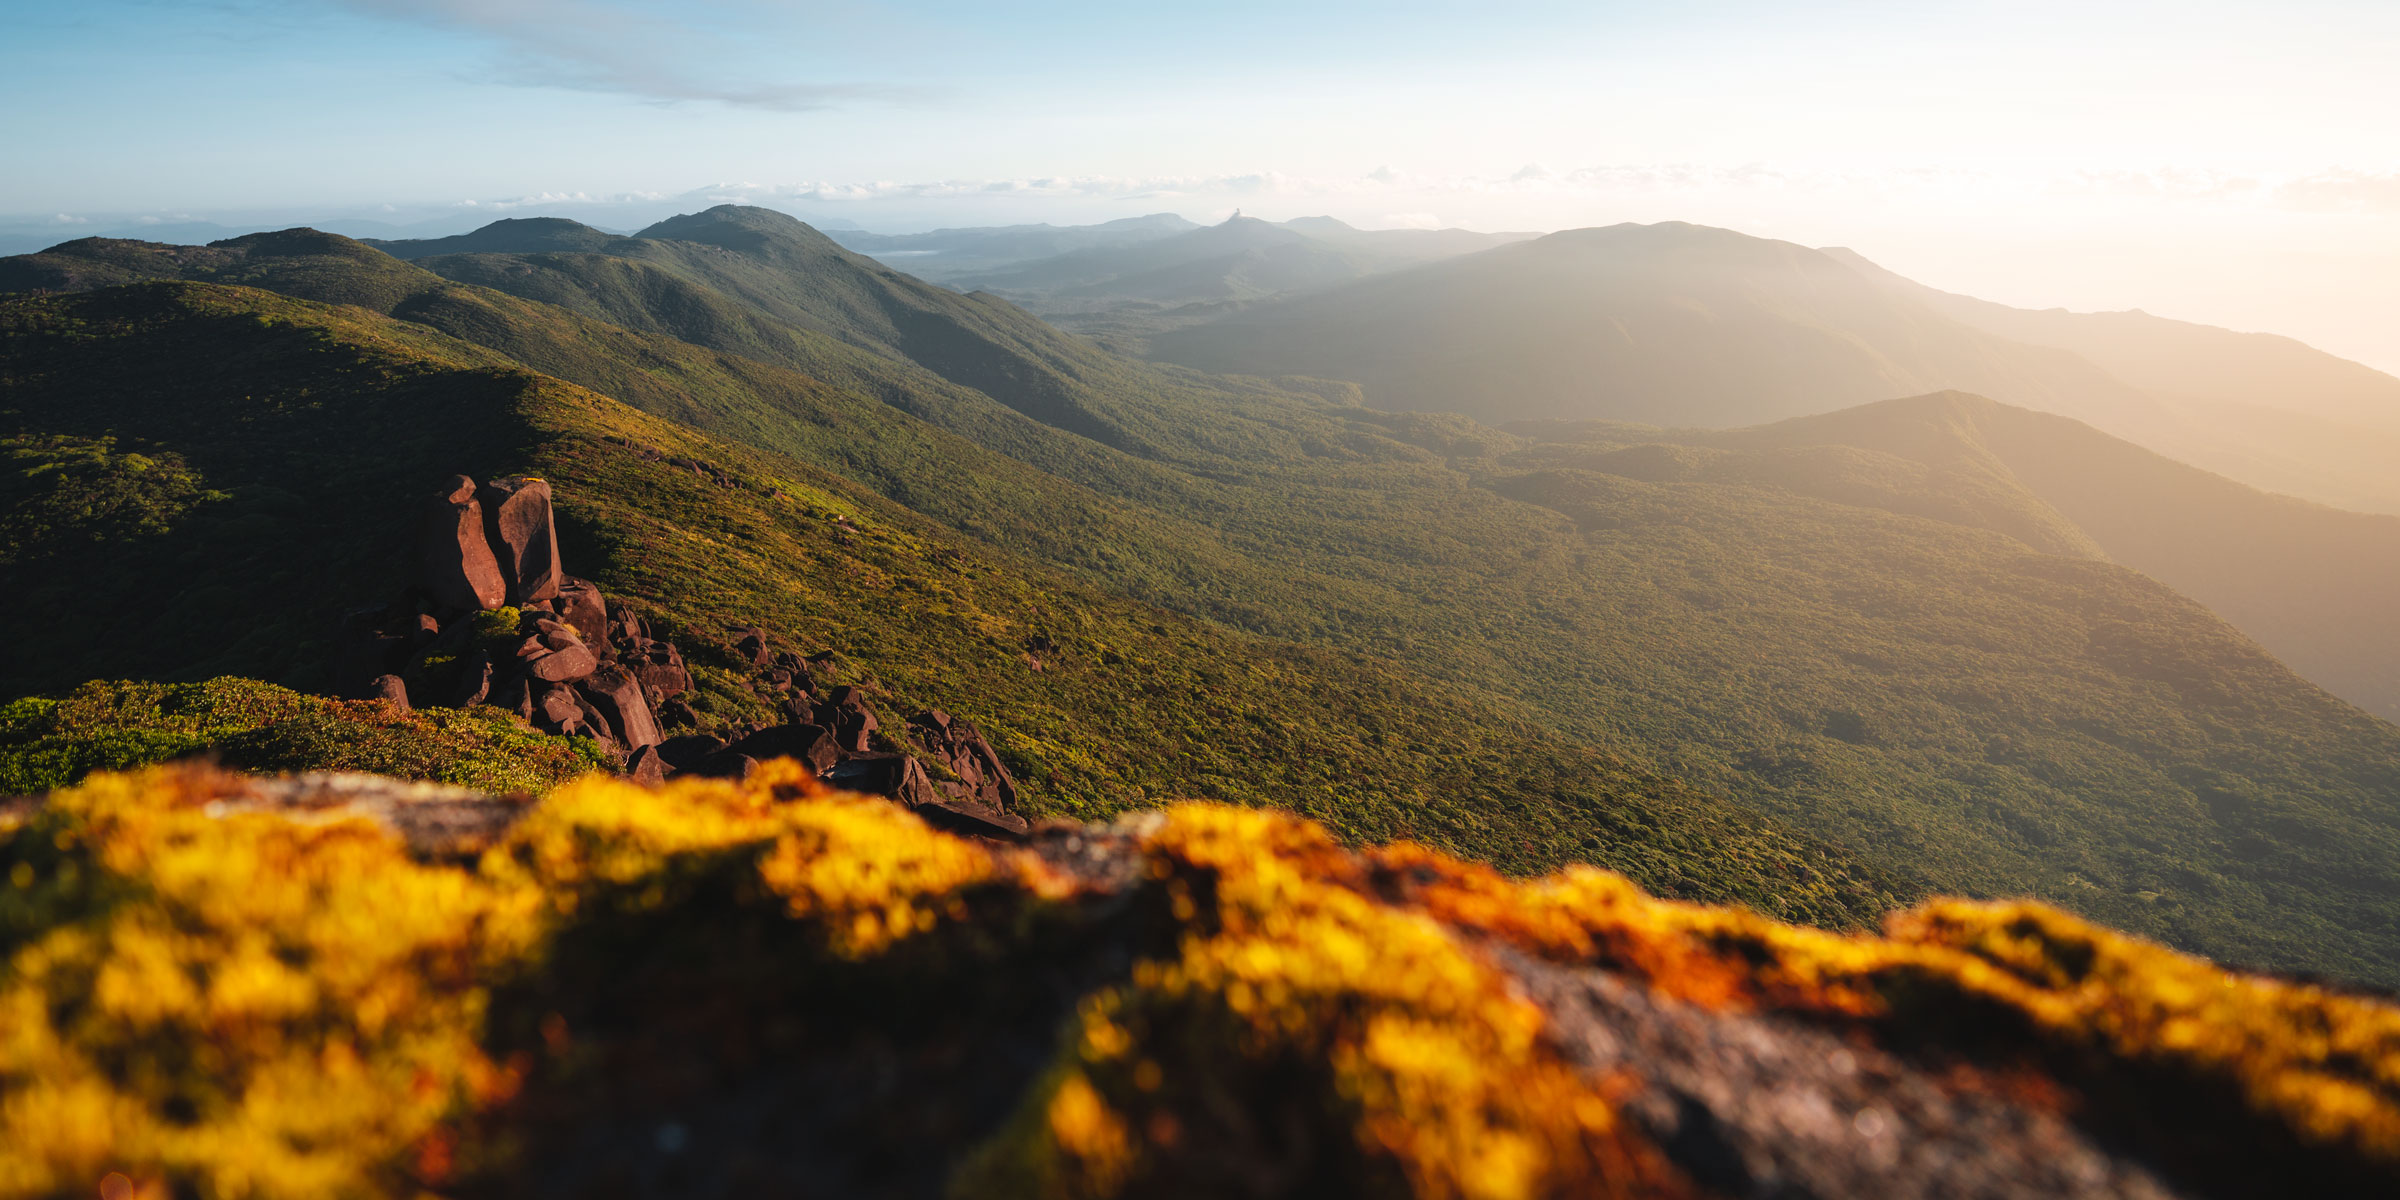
x=323, y=425
x=1992, y=712
x=2314, y=584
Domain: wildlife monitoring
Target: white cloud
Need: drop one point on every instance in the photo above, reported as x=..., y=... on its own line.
x=612, y=46
x=2342, y=191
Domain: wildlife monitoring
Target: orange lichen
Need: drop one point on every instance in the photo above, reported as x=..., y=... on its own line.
x=1430, y=1059
x=2326, y=1066
x=226, y=1002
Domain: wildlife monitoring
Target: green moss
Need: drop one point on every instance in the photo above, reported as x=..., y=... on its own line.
x=257, y=726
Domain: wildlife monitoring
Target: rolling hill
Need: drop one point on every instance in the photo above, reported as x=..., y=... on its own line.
x=1684, y=325
x=332, y=421
x=2309, y=582
x=2269, y=410
x=1984, y=705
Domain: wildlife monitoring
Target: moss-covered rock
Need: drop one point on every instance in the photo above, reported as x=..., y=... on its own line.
x=228, y=985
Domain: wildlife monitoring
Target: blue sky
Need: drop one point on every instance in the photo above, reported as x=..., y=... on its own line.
x=2231, y=162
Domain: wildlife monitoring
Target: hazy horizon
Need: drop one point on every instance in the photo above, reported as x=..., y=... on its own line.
x=2222, y=163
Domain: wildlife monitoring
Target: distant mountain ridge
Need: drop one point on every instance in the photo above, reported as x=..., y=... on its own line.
x=2310, y=582
x=1683, y=325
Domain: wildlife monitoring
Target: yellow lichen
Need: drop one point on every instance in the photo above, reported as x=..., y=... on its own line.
x=1432, y=1062
x=222, y=1002
x=257, y=1006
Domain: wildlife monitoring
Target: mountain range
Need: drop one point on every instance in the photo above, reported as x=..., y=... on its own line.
x=1815, y=667
x=1686, y=325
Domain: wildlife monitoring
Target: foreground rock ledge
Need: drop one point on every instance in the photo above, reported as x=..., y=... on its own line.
x=765, y=987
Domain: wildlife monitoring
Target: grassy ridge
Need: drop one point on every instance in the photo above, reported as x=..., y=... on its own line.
x=1133, y=705
x=1956, y=703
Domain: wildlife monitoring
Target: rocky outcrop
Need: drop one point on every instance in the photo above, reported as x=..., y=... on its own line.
x=492, y=618
x=773, y=989
x=524, y=537
x=982, y=777
x=456, y=568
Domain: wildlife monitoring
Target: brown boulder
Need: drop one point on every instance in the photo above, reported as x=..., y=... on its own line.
x=686, y=752
x=961, y=747
x=628, y=627
x=659, y=666
x=581, y=605
x=752, y=645
x=811, y=744
x=455, y=565
x=558, y=707
x=895, y=775
x=646, y=767
x=676, y=713
x=560, y=666
x=524, y=535
x=845, y=712
x=390, y=690
x=618, y=696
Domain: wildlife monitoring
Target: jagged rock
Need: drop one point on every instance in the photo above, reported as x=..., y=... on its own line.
x=455, y=564
x=390, y=690
x=524, y=537
x=581, y=605
x=575, y=661
x=646, y=767
x=590, y=721
x=845, y=712
x=628, y=627
x=675, y=713
x=811, y=744
x=895, y=775
x=659, y=666
x=558, y=707
x=963, y=749
x=618, y=696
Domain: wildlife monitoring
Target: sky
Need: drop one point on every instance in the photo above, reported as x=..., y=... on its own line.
x=2232, y=163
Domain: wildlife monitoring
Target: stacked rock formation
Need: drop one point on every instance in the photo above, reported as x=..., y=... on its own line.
x=493, y=618
x=833, y=730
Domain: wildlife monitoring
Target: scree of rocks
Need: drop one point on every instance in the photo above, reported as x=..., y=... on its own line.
x=491, y=617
